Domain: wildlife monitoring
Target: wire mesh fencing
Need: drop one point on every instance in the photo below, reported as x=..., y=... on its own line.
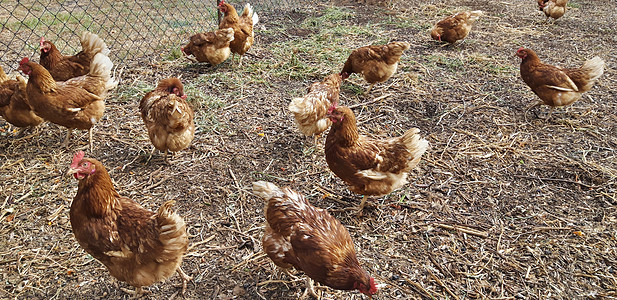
x=131, y=29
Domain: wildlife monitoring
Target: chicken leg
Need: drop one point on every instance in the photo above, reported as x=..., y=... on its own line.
x=185, y=279
x=369, y=89
x=67, y=138
x=90, y=139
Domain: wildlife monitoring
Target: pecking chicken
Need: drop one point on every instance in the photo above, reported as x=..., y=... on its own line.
x=553, y=8
x=168, y=117
x=242, y=26
x=136, y=245
x=211, y=47
x=14, y=107
x=75, y=103
x=375, y=63
x=62, y=67
x=370, y=167
x=310, y=111
x=556, y=86
x=311, y=240
x=455, y=27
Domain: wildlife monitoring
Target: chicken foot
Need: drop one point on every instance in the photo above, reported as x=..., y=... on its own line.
x=137, y=293
x=185, y=279
x=310, y=289
x=538, y=103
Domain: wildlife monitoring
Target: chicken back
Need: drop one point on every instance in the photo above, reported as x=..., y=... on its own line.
x=136, y=245
x=368, y=166
x=311, y=240
x=556, y=86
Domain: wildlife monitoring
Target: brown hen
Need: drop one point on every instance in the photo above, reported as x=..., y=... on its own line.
x=63, y=67
x=77, y=103
x=136, y=245
x=553, y=8
x=556, y=86
x=311, y=110
x=455, y=27
x=211, y=47
x=242, y=26
x=311, y=240
x=168, y=117
x=374, y=63
x=368, y=166
x=14, y=107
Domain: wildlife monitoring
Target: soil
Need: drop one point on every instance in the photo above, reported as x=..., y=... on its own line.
x=504, y=205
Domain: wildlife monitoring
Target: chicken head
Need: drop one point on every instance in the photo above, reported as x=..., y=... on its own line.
x=80, y=167
x=222, y=6
x=369, y=290
x=45, y=46
x=24, y=67
x=521, y=52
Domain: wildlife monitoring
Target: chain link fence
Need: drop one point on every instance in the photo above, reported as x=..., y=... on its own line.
x=131, y=29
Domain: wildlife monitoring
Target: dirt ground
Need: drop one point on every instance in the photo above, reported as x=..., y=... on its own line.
x=504, y=205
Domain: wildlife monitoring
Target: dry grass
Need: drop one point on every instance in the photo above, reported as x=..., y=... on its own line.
x=502, y=206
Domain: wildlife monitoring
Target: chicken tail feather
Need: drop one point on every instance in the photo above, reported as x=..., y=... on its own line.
x=3, y=76
x=101, y=66
x=594, y=67
x=92, y=43
x=248, y=12
x=172, y=230
x=266, y=190
x=475, y=15
x=415, y=144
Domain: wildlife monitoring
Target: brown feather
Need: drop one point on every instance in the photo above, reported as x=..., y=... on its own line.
x=168, y=117
x=370, y=167
x=211, y=47
x=136, y=245
x=375, y=63
x=308, y=238
x=551, y=83
x=242, y=26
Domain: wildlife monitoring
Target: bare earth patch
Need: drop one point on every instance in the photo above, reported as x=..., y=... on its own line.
x=502, y=206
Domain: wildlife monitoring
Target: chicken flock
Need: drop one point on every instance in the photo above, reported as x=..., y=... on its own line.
x=141, y=247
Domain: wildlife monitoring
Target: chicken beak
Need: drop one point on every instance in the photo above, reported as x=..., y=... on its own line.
x=71, y=171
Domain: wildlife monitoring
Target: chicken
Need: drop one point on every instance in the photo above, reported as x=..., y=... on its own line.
x=553, y=8
x=211, y=47
x=168, y=117
x=375, y=63
x=75, y=103
x=311, y=240
x=136, y=245
x=14, y=107
x=370, y=167
x=557, y=86
x=62, y=67
x=310, y=111
x=455, y=27
x=242, y=26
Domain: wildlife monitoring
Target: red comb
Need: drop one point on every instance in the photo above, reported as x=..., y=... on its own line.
x=521, y=48
x=77, y=158
x=23, y=61
x=42, y=41
x=373, y=288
